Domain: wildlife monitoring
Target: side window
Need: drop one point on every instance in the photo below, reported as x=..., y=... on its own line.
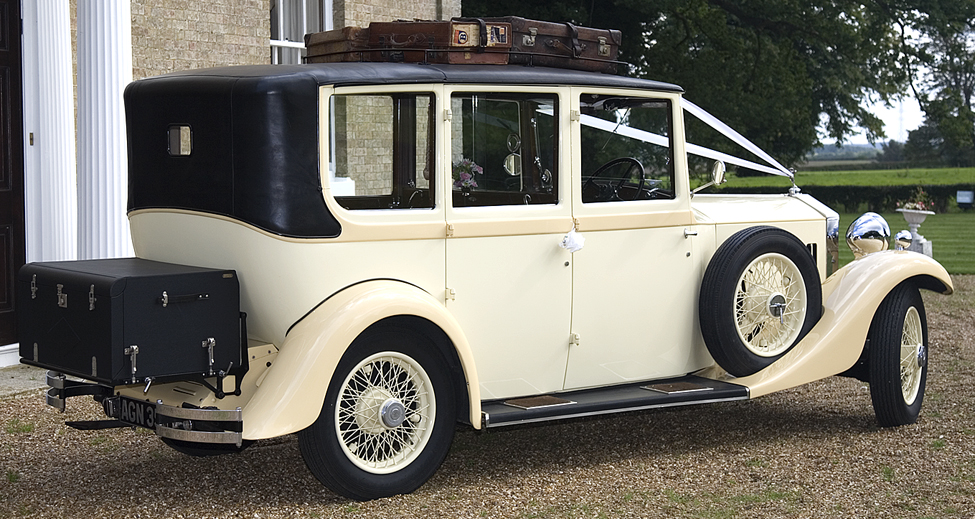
x=627, y=149
x=503, y=149
x=382, y=150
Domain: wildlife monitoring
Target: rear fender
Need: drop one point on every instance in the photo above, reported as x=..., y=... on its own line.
x=851, y=296
x=291, y=396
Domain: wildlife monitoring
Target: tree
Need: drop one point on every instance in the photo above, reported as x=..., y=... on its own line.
x=891, y=151
x=774, y=70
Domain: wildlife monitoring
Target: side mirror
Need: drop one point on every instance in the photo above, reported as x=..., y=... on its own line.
x=717, y=173
x=717, y=176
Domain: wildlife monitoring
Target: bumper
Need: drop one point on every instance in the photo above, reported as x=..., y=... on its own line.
x=199, y=425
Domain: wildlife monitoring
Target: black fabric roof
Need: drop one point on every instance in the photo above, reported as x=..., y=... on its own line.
x=352, y=74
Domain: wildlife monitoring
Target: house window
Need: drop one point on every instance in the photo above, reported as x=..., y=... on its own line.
x=291, y=20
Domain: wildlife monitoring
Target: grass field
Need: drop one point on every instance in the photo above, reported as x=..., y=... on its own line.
x=906, y=177
x=952, y=234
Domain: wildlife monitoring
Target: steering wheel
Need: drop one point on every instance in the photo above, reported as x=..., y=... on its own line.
x=603, y=197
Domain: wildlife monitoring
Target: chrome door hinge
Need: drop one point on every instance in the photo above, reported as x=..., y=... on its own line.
x=574, y=339
x=574, y=115
x=450, y=229
x=450, y=295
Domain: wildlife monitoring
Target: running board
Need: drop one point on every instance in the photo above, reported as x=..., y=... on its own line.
x=614, y=399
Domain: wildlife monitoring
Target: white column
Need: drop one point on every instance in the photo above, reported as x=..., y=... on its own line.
x=104, y=68
x=49, y=144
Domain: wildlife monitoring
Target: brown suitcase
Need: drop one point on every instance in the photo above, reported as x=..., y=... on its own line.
x=468, y=41
x=345, y=44
x=562, y=45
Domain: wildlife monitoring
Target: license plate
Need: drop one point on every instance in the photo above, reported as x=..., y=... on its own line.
x=137, y=412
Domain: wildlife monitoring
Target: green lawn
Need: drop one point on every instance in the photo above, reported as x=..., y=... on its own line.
x=906, y=177
x=952, y=234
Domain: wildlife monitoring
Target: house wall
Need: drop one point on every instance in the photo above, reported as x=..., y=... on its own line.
x=172, y=35
x=361, y=12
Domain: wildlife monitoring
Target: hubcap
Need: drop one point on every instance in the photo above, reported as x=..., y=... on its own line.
x=770, y=305
x=393, y=413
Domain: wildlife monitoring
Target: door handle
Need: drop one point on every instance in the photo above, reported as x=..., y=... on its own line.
x=688, y=233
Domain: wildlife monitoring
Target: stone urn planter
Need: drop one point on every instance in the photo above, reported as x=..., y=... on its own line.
x=915, y=217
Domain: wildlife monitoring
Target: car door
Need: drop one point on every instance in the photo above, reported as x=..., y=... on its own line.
x=635, y=282
x=508, y=281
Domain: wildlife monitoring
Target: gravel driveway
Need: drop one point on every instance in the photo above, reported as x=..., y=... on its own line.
x=814, y=451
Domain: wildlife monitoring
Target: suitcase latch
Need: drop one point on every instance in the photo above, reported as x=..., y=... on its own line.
x=132, y=352
x=603, y=46
x=33, y=286
x=62, y=298
x=91, y=298
x=528, y=40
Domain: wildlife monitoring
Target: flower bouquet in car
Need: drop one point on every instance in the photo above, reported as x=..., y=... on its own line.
x=463, y=173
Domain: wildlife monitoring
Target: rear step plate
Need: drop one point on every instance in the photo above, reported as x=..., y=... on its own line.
x=630, y=397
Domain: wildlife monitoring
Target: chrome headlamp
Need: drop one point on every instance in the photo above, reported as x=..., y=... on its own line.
x=868, y=233
x=903, y=240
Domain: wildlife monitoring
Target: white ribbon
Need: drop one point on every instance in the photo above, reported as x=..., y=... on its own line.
x=573, y=241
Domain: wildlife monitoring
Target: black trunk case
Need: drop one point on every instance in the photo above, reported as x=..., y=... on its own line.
x=79, y=317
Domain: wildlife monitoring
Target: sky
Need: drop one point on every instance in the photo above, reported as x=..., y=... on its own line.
x=903, y=117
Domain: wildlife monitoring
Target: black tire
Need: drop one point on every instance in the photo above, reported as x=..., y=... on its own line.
x=201, y=450
x=898, y=357
x=360, y=455
x=752, y=308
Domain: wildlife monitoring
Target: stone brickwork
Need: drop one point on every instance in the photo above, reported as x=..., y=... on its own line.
x=361, y=12
x=172, y=35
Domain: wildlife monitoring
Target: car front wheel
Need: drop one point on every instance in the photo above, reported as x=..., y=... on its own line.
x=388, y=417
x=898, y=357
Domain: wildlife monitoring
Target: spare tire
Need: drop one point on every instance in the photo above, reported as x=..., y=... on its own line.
x=760, y=295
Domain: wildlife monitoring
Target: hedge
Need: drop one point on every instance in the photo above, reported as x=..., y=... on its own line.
x=877, y=198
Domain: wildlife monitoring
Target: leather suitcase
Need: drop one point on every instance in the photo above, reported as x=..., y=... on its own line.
x=121, y=321
x=562, y=45
x=345, y=44
x=461, y=40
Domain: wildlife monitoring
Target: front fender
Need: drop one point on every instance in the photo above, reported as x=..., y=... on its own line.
x=291, y=396
x=851, y=296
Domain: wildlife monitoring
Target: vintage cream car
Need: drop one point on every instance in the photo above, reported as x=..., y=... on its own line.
x=421, y=246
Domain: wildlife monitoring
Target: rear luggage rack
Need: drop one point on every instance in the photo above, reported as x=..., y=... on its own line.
x=185, y=423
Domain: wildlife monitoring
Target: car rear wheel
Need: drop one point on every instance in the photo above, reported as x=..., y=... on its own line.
x=898, y=357
x=388, y=417
x=760, y=295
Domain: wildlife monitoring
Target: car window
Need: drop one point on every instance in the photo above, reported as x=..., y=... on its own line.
x=382, y=150
x=626, y=147
x=503, y=149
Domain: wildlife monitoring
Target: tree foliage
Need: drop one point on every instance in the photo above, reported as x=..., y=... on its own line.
x=945, y=85
x=775, y=70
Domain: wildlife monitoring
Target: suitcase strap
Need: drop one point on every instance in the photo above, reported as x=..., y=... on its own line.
x=167, y=299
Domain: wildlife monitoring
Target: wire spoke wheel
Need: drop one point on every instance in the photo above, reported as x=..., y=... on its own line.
x=770, y=304
x=898, y=363
x=911, y=355
x=759, y=297
x=387, y=419
x=385, y=412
